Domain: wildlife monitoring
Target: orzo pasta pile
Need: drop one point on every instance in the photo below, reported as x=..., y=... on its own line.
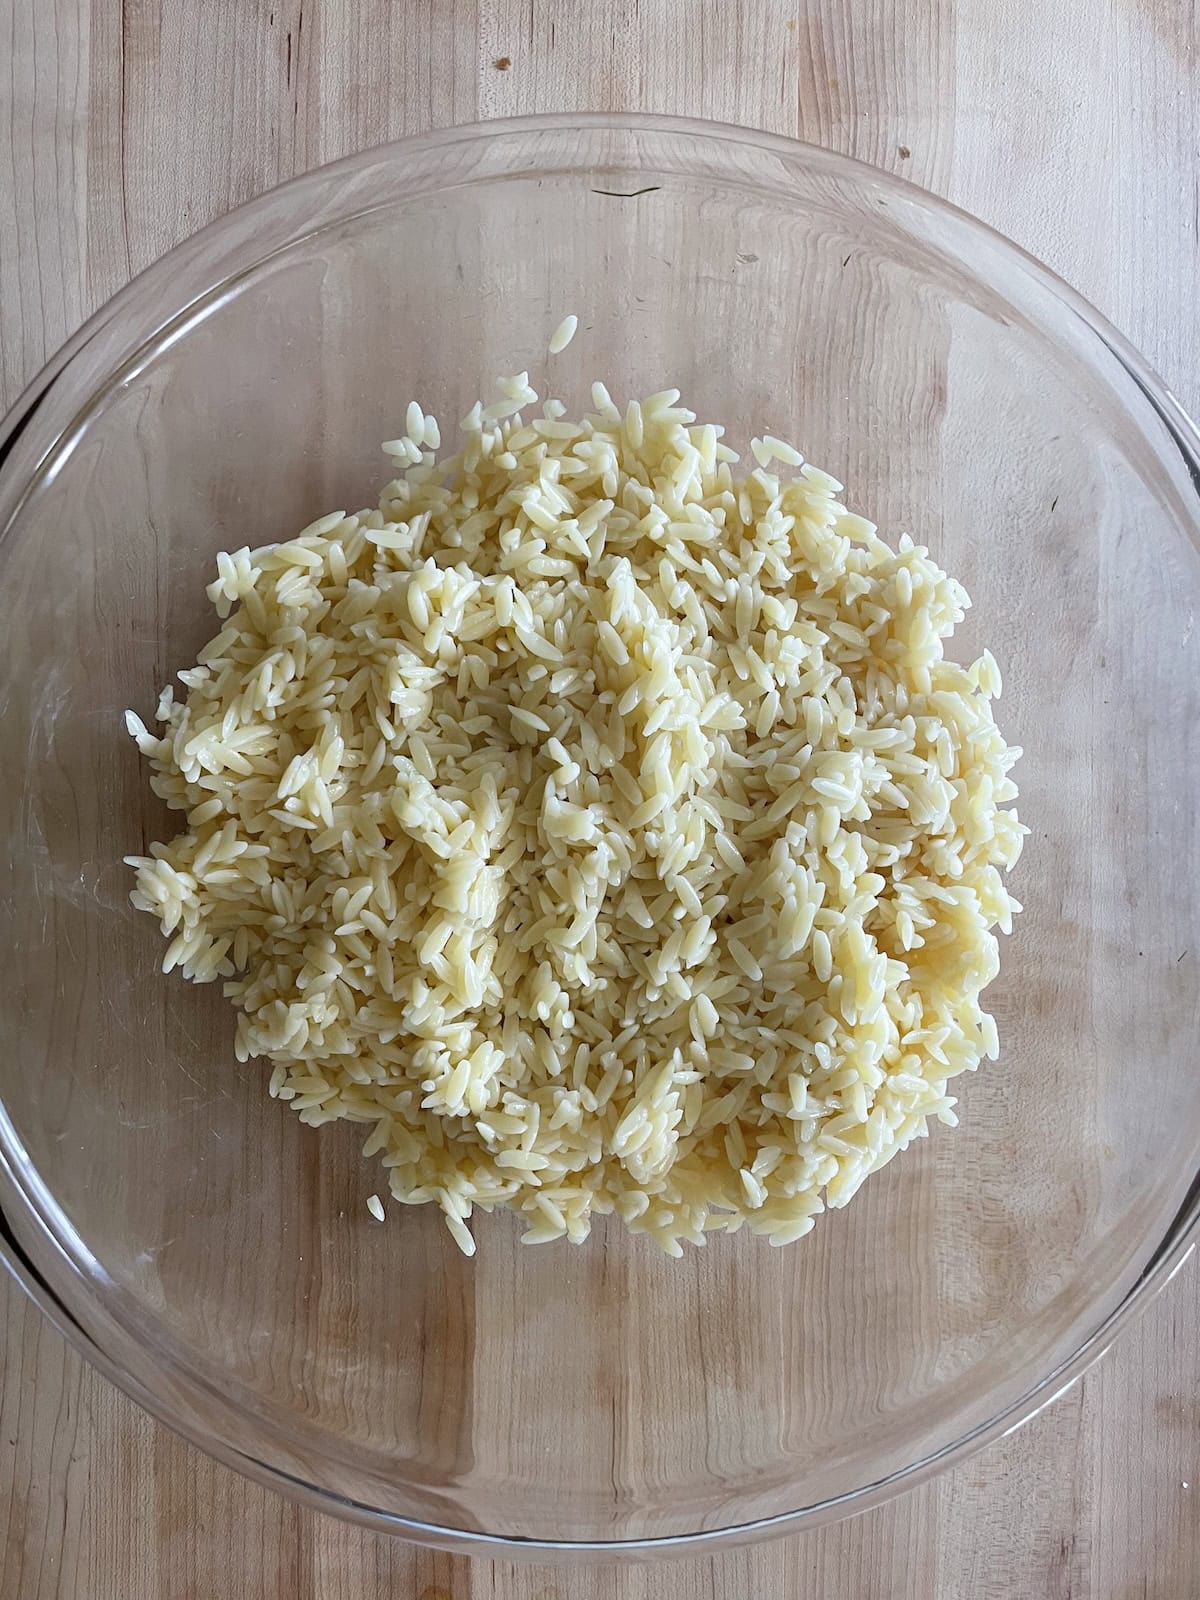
x=600, y=822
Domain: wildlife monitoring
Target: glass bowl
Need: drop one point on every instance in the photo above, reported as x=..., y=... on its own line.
x=214, y=1257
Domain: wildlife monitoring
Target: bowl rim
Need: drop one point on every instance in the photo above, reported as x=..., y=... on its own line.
x=18, y=1193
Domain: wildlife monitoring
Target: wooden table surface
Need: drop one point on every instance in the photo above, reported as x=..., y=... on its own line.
x=128, y=125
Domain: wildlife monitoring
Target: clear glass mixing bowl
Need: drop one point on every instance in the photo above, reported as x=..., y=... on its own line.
x=216, y=1258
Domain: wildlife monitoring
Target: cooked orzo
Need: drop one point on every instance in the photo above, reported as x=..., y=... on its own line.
x=598, y=821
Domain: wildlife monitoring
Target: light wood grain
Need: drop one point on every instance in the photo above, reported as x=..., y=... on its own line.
x=125, y=127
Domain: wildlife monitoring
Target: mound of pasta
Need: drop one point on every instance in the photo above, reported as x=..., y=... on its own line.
x=600, y=822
